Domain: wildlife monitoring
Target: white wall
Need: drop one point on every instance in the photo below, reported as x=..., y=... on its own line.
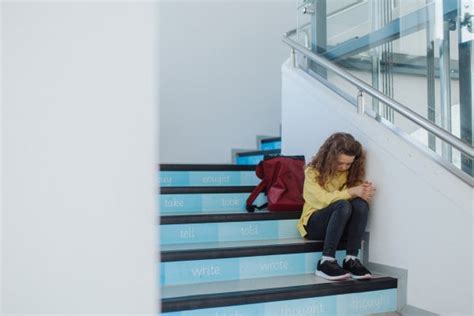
x=220, y=76
x=421, y=217
x=1, y=162
x=78, y=157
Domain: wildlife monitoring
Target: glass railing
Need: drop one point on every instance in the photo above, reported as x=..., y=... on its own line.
x=418, y=53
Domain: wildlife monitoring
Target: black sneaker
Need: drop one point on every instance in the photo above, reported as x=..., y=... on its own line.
x=356, y=269
x=330, y=270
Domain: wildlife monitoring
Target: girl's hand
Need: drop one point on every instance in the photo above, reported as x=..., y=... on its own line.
x=369, y=190
x=365, y=191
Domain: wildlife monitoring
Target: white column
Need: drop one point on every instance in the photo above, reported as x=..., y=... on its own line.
x=79, y=129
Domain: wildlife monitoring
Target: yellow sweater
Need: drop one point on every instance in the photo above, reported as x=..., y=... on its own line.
x=317, y=197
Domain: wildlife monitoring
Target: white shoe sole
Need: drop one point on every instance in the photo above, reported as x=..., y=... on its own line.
x=361, y=277
x=332, y=278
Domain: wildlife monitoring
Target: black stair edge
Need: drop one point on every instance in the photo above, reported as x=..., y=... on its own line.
x=276, y=294
x=227, y=217
x=244, y=251
x=270, y=140
x=205, y=167
x=259, y=152
x=196, y=190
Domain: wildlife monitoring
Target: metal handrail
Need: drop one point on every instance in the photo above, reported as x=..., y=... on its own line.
x=464, y=147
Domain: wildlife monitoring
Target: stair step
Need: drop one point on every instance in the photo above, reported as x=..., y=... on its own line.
x=210, y=189
x=205, y=199
x=224, y=261
x=229, y=216
x=270, y=143
x=180, y=175
x=228, y=227
x=301, y=294
x=230, y=249
x=220, y=232
x=254, y=157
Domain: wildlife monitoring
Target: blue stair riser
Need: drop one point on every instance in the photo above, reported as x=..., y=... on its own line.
x=270, y=145
x=227, y=231
x=249, y=160
x=227, y=269
x=205, y=202
x=207, y=178
x=363, y=303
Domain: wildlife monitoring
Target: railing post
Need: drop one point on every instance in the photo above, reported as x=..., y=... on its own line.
x=445, y=87
x=293, y=57
x=360, y=102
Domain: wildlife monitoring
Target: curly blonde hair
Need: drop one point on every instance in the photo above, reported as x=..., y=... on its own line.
x=325, y=161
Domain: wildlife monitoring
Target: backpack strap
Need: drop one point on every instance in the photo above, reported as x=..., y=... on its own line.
x=258, y=189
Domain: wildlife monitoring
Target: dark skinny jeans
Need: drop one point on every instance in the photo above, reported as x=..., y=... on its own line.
x=340, y=220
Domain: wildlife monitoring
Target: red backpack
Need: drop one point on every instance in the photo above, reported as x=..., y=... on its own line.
x=282, y=179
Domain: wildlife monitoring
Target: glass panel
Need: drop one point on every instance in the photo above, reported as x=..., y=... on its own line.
x=303, y=21
x=347, y=20
x=305, y=11
x=407, y=49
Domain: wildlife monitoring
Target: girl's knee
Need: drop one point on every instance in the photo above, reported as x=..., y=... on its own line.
x=360, y=205
x=344, y=208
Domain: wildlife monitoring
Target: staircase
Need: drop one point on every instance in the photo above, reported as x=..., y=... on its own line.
x=217, y=259
x=267, y=147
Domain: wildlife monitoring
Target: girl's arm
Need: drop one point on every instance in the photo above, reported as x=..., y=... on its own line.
x=316, y=196
x=365, y=191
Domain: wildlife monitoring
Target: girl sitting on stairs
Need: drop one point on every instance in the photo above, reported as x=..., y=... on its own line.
x=336, y=207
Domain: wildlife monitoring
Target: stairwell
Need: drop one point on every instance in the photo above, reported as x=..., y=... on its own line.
x=217, y=259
